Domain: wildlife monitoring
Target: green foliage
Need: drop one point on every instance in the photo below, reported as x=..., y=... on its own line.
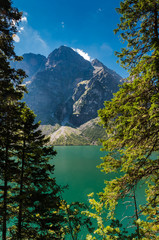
x=131, y=121
x=11, y=91
x=9, y=17
x=37, y=194
x=94, y=133
x=75, y=221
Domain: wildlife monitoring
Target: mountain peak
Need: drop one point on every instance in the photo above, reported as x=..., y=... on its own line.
x=64, y=48
x=66, y=57
x=61, y=50
x=97, y=63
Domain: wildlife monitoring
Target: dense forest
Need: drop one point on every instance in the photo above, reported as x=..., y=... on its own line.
x=31, y=202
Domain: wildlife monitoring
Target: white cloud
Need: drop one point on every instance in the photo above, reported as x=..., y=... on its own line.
x=21, y=29
x=100, y=10
x=23, y=22
x=16, y=38
x=82, y=53
x=62, y=24
x=24, y=19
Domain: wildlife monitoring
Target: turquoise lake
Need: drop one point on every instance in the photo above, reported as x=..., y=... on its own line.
x=76, y=166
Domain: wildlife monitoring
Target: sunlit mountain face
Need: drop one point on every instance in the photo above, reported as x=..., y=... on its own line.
x=65, y=88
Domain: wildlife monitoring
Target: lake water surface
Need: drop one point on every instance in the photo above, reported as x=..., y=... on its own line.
x=76, y=166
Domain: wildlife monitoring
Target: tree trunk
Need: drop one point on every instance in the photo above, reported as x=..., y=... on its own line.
x=21, y=193
x=156, y=20
x=5, y=196
x=136, y=215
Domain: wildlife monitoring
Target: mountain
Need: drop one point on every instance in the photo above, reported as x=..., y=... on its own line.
x=67, y=90
x=51, y=89
x=31, y=64
x=88, y=133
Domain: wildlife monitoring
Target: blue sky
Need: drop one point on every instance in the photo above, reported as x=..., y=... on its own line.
x=81, y=24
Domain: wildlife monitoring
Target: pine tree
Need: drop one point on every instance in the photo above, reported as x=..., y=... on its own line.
x=9, y=126
x=131, y=119
x=36, y=194
x=11, y=91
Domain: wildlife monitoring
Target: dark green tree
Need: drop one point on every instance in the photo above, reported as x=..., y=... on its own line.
x=131, y=119
x=9, y=126
x=9, y=17
x=38, y=195
x=11, y=91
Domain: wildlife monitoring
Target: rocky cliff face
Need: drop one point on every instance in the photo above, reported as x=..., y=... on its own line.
x=65, y=88
x=90, y=95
